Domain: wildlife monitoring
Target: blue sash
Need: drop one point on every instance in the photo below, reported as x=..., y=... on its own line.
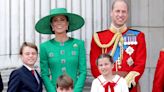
x=117, y=52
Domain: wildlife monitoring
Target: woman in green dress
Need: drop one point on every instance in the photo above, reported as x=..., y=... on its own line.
x=62, y=54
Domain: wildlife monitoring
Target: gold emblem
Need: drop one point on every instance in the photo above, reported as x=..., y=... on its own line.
x=129, y=50
x=75, y=45
x=119, y=66
x=130, y=61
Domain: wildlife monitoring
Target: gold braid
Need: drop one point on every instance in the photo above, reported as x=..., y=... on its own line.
x=121, y=47
x=116, y=38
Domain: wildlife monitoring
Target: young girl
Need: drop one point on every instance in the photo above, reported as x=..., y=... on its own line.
x=107, y=82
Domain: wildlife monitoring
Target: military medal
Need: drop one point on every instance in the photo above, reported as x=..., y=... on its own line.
x=131, y=42
x=135, y=41
x=125, y=40
x=130, y=61
x=129, y=50
x=130, y=39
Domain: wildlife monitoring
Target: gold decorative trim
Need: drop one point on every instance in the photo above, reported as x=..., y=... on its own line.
x=130, y=78
x=117, y=39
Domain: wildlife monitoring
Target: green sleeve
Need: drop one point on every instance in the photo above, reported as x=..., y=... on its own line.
x=78, y=87
x=45, y=69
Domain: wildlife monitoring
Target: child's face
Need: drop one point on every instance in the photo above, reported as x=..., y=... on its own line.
x=60, y=89
x=105, y=66
x=29, y=56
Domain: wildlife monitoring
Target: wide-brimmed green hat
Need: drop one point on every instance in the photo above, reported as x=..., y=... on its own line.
x=44, y=25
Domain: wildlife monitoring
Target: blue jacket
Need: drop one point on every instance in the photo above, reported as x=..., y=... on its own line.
x=22, y=80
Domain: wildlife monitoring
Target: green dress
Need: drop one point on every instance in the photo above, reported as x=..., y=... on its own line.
x=57, y=58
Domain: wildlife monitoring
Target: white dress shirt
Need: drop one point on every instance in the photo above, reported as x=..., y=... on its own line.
x=35, y=74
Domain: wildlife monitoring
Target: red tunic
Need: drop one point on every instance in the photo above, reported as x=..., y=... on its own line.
x=158, y=83
x=138, y=55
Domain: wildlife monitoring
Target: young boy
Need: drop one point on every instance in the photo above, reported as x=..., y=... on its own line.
x=64, y=84
x=26, y=78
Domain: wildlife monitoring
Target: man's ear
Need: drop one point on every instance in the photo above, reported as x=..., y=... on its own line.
x=112, y=65
x=162, y=49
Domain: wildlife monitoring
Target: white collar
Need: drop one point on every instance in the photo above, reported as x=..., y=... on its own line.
x=103, y=80
x=29, y=68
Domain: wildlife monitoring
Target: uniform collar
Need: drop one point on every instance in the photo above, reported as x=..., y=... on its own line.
x=121, y=29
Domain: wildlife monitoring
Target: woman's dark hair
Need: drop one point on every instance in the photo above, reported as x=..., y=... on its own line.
x=105, y=56
x=64, y=81
x=28, y=44
x=63, y=15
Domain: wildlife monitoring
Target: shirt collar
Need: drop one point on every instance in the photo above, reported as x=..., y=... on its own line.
x=29, y=68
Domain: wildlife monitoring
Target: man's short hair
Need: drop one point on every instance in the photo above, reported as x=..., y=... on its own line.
x=125, y=1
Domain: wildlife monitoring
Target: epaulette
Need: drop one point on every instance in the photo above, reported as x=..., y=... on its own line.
x=134, y=30
x=101, y=31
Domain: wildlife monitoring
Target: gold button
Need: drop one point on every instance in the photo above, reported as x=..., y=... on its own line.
x=119, y=67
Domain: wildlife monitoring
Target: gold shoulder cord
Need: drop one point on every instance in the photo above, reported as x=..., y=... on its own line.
x=130, y=78
x=116, y=38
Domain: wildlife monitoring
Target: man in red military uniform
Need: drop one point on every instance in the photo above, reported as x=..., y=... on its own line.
x=158, y=83
x=127, y=46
